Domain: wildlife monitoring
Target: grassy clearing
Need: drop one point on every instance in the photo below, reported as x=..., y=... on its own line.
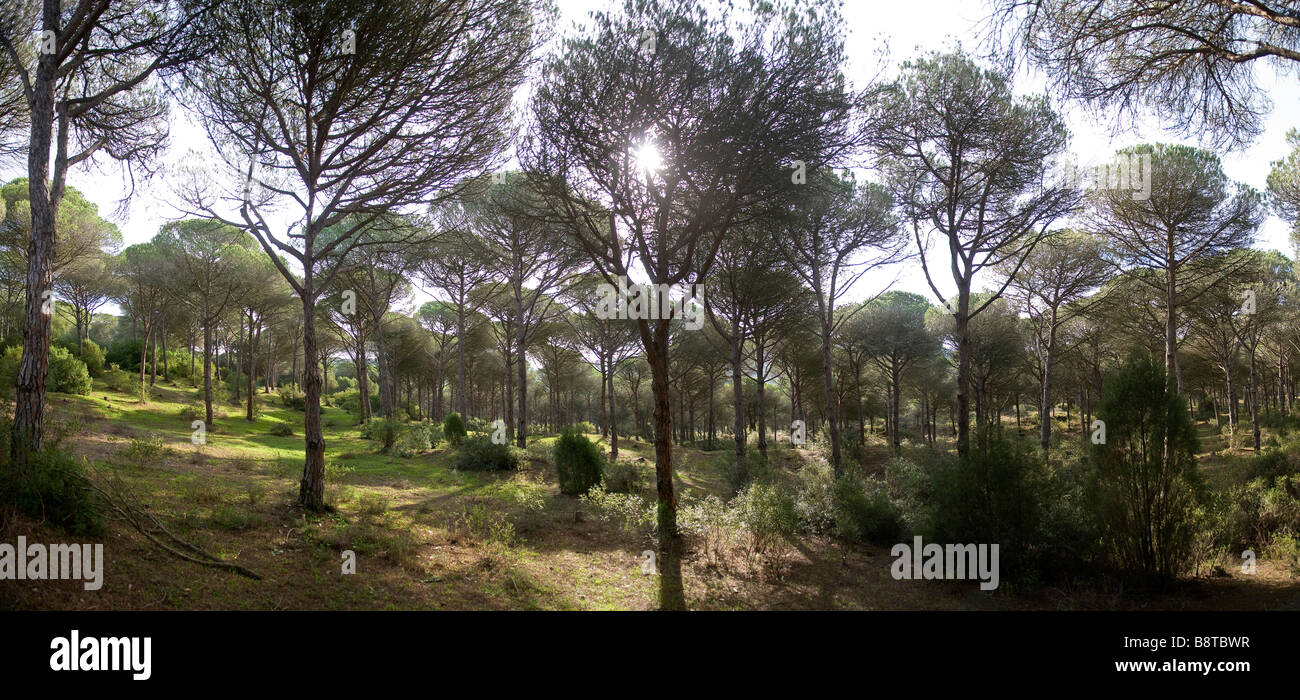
x=429, y=537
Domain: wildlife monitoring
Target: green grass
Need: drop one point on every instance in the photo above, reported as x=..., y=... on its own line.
x=425, y=535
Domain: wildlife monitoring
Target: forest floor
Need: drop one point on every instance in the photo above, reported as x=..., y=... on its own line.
x=430, y=537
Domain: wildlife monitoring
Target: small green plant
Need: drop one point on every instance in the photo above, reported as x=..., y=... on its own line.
x=289, y=398
x=93, y=357
x=142, y=450
x=56, y=491
x=383, y=430
x=453, y=428
x=1285, y=550
x=622, y=477
x=481, y=454
x=281, y=430
x=579, y=462
x=741, y=471
x=632, y=511
x=768, y=515
x=416, y=438
x=228, y=517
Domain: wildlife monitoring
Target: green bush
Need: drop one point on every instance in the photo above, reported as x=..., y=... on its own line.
x=1146, y=500
x=125, y=353
x=281, y=430
x=383, y=430
x=1003, y=493
x=9, y=362
x=579, y=462
x=863, y=511
x=289, y=398
x=741, y=471
x=622, y=477
x=1271, y=464
x=585, y=427
x=453, y=429
x=93, y=357
x=56, y=492
x=481, y=454
x=67, y=374
x=768, y=514
x=416, y=438
x=120, y=380
x=1250, y=516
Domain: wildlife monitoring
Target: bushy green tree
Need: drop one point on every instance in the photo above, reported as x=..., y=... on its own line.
x=453, y=428
x=1146, y=485
x=67, y=373
x=578, y=461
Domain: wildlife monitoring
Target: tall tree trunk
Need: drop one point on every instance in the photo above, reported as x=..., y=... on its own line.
x=207, y=372
x=1045, y=427
x=962, y=414
x=738, y=392
x=759, y=395
x=671, y=593
x=311, y=491
x=521, y=434
x=1254, y=399
x=252, y=348
x=386, y=402
x=29, y=398
x=832, y=422
x=613, y=420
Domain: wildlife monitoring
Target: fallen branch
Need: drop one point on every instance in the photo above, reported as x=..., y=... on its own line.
x=127, y=508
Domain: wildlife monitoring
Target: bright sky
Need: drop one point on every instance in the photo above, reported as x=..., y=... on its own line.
x=909, y=29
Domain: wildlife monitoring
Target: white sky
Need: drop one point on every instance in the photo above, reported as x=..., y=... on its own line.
x=909, y=28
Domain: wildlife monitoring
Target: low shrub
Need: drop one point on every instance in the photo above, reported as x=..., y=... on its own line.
x=144, y=449
x=622, y=477
x=281, y=430
x=741, y=471
x=416, y=438
x=1271, y=464
x=57, y=492
x=1251, y=515
x=383, y=430
x=632, y=511
x=585, y=427
x=289, y=398
x=481, y=454
x=768, y=515
x=93, y=357
x=863, y=511
x=453, y=429
x=579, y=462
